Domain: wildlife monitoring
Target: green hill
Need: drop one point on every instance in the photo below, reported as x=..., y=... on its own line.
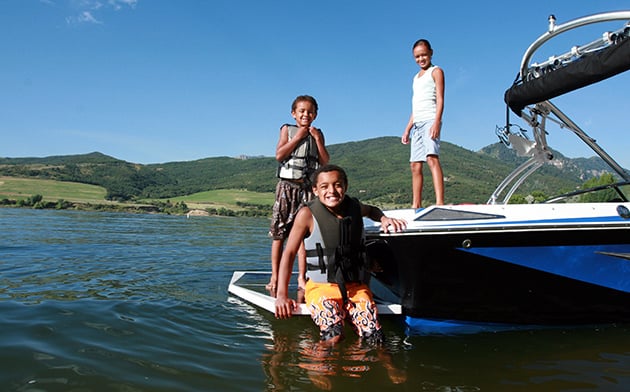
x=21, y=188
x=378, y=170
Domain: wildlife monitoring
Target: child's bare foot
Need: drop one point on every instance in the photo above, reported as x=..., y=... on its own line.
x=300, y=290
x=271, y=287
x=300, y=296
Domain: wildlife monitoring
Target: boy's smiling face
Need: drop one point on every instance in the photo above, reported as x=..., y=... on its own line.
x=330, y=189
x=304, y=113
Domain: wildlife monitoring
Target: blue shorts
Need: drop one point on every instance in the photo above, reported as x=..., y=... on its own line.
x=421, y=143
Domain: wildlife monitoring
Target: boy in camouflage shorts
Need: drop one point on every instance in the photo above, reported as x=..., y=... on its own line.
x=300, y=151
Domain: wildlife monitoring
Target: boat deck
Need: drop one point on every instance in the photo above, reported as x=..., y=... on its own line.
x=250, y=287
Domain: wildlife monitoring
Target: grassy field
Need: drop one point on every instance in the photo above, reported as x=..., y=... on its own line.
x=22, y=188
x=225, y=198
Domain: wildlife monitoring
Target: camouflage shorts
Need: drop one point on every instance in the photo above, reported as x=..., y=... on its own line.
x=290, y=196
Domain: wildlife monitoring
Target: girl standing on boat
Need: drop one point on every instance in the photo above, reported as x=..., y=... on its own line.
x=425, y=123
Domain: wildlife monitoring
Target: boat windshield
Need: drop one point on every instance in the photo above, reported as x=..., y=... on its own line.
x=614, y=193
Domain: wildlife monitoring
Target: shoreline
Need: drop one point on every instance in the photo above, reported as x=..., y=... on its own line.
x=179, y=208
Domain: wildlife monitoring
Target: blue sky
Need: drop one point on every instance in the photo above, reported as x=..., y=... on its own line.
x=153, y=81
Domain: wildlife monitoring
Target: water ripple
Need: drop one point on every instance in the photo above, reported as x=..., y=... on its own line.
x=126, y=302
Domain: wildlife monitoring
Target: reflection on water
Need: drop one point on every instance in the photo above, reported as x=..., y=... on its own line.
x=295, y=359
x=123, y=302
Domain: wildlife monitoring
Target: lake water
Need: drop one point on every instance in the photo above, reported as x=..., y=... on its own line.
x=93, y=301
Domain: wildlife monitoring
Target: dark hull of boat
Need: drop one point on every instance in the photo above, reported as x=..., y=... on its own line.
x=530, y=276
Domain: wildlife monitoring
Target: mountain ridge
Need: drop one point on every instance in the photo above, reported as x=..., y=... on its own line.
x=378, y=172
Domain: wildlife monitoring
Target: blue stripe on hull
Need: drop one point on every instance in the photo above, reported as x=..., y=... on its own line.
x=603, y=265
x=421, y=326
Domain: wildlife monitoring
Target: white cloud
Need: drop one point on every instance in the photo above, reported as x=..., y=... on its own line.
x=87, y=17
x=118, y=4
x=86, y=4
x=85, y=10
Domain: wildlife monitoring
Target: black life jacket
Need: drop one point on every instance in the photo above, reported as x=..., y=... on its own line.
x=335, y=250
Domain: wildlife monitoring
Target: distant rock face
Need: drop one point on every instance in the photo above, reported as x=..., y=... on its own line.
x=197, y=213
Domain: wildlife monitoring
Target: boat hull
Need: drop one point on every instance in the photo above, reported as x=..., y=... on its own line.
x=543, y=275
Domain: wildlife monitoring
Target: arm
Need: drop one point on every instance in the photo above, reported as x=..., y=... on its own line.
x=301, y=227
x=405, y=136
x=377, y=215
x=321, y=145
x=286, y=146
x=438, y=77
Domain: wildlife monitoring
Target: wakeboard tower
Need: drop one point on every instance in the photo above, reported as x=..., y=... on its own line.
x=538, y=82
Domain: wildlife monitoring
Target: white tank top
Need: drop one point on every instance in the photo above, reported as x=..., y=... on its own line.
x=423, y=102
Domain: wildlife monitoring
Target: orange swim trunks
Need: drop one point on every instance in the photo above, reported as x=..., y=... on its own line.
x=328, y=311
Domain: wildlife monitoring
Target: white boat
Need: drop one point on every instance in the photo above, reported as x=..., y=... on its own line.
x=561, y=262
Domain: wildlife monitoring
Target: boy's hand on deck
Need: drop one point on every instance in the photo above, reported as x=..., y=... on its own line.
x=392, y=225
x=285, y=307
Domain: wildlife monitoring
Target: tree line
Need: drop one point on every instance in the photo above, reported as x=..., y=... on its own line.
x=378, y=172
